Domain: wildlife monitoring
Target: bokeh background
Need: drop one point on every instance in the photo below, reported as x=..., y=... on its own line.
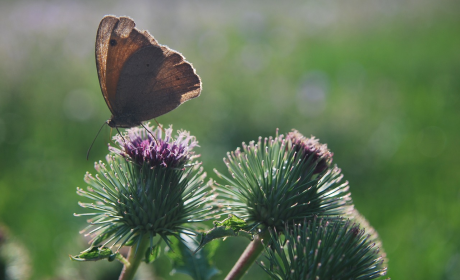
x=378, y=81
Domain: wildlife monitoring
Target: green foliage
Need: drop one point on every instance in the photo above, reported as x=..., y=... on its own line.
x=152, y=253
x=95, y=254
x=198, y=265
x=232, y=222
x=232, y=226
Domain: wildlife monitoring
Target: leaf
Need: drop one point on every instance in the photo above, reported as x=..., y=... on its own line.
x=95, y=254
x=232, y=222
x=152, y=253
x=199, y=266
x=232, y=226
x=130, y=242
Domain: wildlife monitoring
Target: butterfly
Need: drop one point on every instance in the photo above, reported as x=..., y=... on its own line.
x=139, y=78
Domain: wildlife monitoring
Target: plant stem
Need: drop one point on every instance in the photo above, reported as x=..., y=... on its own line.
x=249, y=256
x=134, y=259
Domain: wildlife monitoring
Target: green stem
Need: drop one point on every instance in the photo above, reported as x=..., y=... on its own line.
x=134, y=259
x=120, y=258
x=249, y=256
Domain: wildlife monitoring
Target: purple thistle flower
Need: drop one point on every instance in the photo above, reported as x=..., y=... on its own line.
x=284, y=178
x=306, y=147
x=145, y=190
x=138, y=146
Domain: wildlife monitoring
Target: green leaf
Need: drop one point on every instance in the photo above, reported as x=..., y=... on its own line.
x=232, y=226
x=152, y=253
x=94, y=254
x=199, y=266
x=232, y=222
x=130, y=242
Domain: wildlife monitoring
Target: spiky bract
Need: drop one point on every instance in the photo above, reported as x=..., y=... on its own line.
x=135, y=198
x=280, y=180
x=323, y=249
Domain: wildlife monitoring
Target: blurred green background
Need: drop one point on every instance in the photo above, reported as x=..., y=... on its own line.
x=378, y=81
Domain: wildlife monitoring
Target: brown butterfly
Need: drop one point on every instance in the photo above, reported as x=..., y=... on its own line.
x=140, y=79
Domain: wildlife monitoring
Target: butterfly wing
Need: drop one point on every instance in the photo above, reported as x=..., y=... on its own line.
x=116, y=41
x=154, y=81
x=139, y=78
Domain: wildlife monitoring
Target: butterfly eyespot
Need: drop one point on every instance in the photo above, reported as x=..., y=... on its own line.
x=113, y=42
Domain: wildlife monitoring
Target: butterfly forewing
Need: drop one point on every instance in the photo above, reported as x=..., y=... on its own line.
x=102, y=46
x=139, y=78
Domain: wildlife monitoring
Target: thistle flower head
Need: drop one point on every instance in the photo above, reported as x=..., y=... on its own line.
x=280, y=179
x=145, y=189
x=140, y=147
x=323, y=249
x=373, y=236
x=307, y=148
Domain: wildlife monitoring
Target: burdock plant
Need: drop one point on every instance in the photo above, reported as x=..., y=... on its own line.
x=282, y=192
x=284, y=179
x=149, y=186
x=323, y=249
x=276, y=184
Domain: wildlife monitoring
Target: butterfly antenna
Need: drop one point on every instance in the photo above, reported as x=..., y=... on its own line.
x=156, y=141
x=94, y=140
x=121, y=135
x=159, y=125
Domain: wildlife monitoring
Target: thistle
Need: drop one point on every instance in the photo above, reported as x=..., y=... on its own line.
x=141, y=148
x=275, y=183
x=283, y=193
x=323, y=249
x=282, y=180
x=148, y=187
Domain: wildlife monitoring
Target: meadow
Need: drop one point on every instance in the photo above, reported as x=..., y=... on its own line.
x=378, y=81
